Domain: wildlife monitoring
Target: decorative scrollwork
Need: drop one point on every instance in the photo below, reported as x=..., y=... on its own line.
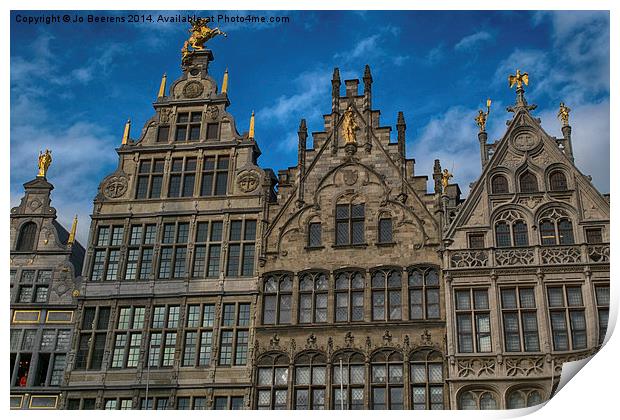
x=560, y=255
x=598, y=253
x=476, y=367
x=524, y=367
x=514, y=257
x=465, y=259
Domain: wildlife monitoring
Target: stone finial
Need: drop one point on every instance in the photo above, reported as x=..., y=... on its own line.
x=367, y=75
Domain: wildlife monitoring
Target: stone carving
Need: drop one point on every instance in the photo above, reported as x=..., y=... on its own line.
x=598, y=253
x=213, y=112
x=115, y=186
x=311, y=341
x=164, y=115
x=350, y=176
x=524, y=366
x=387, y=338
x=525, y=141
x=348, y=339
x=248, y=181
x=193, y=89
x=514, y=257
x=475, y=367
x=560, y=255
x=35, y=204
x=530, y=202
x=466, y=259
x=274, y=342
x=426, y=338
x=512, y=161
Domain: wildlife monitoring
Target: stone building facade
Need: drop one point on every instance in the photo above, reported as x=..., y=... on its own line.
x=350, y=286
x=46, y=262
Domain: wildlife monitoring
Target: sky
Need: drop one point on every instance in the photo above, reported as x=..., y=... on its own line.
x=73, y=85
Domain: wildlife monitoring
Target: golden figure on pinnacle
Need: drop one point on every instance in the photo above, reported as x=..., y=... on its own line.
x=349, y=126
x=45, y=160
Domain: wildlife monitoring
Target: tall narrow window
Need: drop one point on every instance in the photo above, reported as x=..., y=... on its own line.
x=528, y=182
x=568, y=321
x=557, y=181
x=499, y=184
x=310, y=380
x=163, y=132
x=314, y=234
x=26, y=238
x=212, y=131
x=313, y=298
x=519, y=233
x=349, y=296
x=277, y=299
x=423, y=293
x=473, y=321
x=198, y=342
x=234, y=334
x=272, y=382
x=106, y=258
x=349, y=224
x=602, y=308
x=163, y=336
x=214, y=176
x=565, y=232
x=241, y=247
x=385, y=230
x=150, y=177
x=547, y=233
x=182, y=177
x=427, y=380
x=173, y=253
x=188, y=126
x=387, y=381
x=349, y=374
x=502, y=234
x=207, y=249
x=386, y=295
x=139, y=264
x=92, y=339
x=519, y=319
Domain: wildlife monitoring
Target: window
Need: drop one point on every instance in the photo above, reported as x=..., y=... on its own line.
x=473, y=321
x=519, y=318
x=128, y=337
x=602, y=308
x=241, y=245
x=423, y=293
x=150, y=178
x=427, y=380
x=188, y=126
x=234, y=334
x=349, y=296
x=30, y=290
x=499, y=184
x=91, y=344
x=173, y=253
x=478, y=399
x=519, y=233
x=386, y=295
x=228, y=403
x=106, y=258
x=27, y=236
x=349, y=224
x=524, y=398
x=594, y=236
x=349, y=374
x=556, y=228
x=314, y=235
x=313, y=298
x=528, y=182
x=163, y=336
x=272, y=382
x=385, y=230
x=557, y=181
x=212, y=131
x=504, y=238
x=214, y=176
x=310, y=379
x=208, y=249
x=502, y=234
x=182, y=177
x=139, y=264
x=198, y=343
x=387, y=380
x=566, y=303
x=277, y=299
x=476, y=240
x=163, y=132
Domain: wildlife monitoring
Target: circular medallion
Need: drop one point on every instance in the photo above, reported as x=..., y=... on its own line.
x=193, y=89
x=115, y=186
x=525, y=141
x=35, y=204
x=248, y=181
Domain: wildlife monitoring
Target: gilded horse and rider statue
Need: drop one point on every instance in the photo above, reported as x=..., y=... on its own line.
x=200, y=34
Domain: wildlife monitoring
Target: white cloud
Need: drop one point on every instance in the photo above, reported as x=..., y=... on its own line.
x=472, y=41
x=435, y=54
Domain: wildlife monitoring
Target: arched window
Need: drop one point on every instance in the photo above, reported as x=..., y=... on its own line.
x=556, y=228
x=557, y=181
x=386, y=295
x=27, y=234
x=565, y=232
x=502, y=234
x=313, y=298
x=519, y=233
x=348, y=379
x=478, y=400
x=522, y=398
x=387, y=380
x=547, y=232
x=349, y=296
x=277, y=297
x=427, y=380
x=499, y=184
x=423, y=293
x=310, y=381
x=528, y=182
x=272, y=382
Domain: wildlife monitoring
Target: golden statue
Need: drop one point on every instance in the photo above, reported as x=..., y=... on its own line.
x=45, y=160
x=519, y=79
x=481, y=118
x=563, y=113
x=349, y=126
x=445, y=179
x=201, y=33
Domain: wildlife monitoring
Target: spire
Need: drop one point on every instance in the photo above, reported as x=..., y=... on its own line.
x=400, y=128
x=126, y=132
x=367, y=76
x=162, y=87
x=519, y=79
x=302, y=133
x=225, y=82
x=251, y=131
x=73, y=230
x=335, y=89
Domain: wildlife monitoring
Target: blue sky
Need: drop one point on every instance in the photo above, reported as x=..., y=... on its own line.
x=74, y=85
